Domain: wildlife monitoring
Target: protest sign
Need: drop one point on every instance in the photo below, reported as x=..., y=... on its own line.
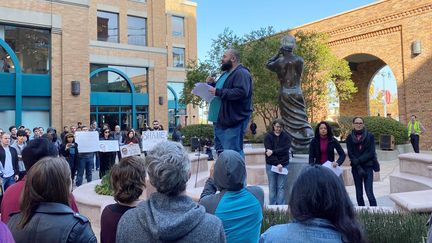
x=130, y=150
x=151, y=138
x=87, y=141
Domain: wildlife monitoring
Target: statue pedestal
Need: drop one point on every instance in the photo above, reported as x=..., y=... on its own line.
x=296, y=165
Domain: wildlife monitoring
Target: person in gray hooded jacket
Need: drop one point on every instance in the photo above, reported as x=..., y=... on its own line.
x=239, y=207
x=169, y=215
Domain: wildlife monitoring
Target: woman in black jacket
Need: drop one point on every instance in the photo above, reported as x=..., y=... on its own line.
x=45, y=215
x=107, y=159
x=323, y=145
x=69, y=150
x=277, y=144
x=361, y=151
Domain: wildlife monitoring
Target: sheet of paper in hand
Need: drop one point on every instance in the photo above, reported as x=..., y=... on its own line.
x=276, y=170
x=337, y=170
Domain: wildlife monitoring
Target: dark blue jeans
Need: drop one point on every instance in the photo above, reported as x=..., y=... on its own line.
x=85, y=163
x=368, y=185
x=277, y=186
x=7, y=182
x=415, y=141
x=230, y=137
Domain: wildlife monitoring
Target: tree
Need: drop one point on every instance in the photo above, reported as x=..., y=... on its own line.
x=320, y=67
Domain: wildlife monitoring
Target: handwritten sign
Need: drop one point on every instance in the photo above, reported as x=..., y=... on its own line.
x=87, y=141
x=151, y=138
x=108, y=145
x=130, y=150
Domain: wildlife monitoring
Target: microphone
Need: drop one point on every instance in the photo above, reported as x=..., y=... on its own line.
x=213, y=75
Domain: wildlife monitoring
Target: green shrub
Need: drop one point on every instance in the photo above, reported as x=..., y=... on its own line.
x=392, y=227
x=258, y=138
x=334, y=126
x=105, y=187
x=377, y=126
x=202, y=131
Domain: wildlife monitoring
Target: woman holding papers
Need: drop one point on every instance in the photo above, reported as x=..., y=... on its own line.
x=277, y=144
x=107, y=159
x=323, y=145
x=361, y=151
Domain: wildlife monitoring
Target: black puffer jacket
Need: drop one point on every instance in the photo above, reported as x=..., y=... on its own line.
x=53, y=222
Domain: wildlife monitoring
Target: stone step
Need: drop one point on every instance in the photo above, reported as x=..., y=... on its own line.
x=201, y=159
x=348, y=177
x=417, y=164
x=406, y=182
x=256, y=174
x=417, y=201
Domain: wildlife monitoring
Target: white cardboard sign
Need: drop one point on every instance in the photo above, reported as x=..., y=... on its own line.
x=151, y=138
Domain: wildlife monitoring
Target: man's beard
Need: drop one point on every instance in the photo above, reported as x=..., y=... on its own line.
x=227, y=66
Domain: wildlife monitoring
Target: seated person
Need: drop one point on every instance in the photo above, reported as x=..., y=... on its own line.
x=128, y=183
x=35, y=150
x=45, y=214
x=322, y=211
x=239, y=207
x=169, y=215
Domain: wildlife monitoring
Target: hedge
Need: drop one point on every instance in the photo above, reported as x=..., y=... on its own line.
x=377, y=126
x=334, y=126
x=202, y=131
x=392, y=227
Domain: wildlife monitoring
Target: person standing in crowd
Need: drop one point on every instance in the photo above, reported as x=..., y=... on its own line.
x=156, y=126
x=232, y=106
x=323, y=145
x=13, y=134
x=19, y=145
x=361, y=151
x=9, y=169
x=85, y=164
x=45, y=215
x=41, y=131
x=63, y=134
x=118, y=135
x=277, y=145
x=415, y=129
x=73, y=129
x=51, y=131
x=169, y=215
x=36, y=133
x=34, y=151
x=28, y=133
x=94, y=127
x=69, y=150
x=177, y=135
x=128, y=183
x=107, y=159
x=130, y=138
x=239, y=207
x=322, y=211
x=253, y=128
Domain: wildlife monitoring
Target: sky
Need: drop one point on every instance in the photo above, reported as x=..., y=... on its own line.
x=244, y=16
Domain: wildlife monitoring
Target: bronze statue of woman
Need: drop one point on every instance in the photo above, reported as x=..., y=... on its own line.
x=289, y=68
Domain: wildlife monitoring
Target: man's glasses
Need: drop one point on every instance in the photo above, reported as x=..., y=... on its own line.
x=107, y=132
x=358, y=123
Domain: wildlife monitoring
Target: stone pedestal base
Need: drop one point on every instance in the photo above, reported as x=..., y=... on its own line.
x=296, y=165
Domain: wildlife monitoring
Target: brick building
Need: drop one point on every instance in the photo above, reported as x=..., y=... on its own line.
x=127, y=56
x=389, y=32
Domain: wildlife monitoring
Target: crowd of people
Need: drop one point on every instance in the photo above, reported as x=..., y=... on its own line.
x=39, y=207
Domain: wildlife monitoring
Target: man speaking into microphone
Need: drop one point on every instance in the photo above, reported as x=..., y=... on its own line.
x=232, y=106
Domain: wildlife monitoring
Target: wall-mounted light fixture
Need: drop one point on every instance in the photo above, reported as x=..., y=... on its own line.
x=161, y=100
x=416, y=47
x=75, y=87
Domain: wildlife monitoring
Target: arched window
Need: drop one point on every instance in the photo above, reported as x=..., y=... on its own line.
x=108, y=81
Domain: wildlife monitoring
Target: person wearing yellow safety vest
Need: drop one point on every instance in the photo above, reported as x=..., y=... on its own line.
x=415, y=128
